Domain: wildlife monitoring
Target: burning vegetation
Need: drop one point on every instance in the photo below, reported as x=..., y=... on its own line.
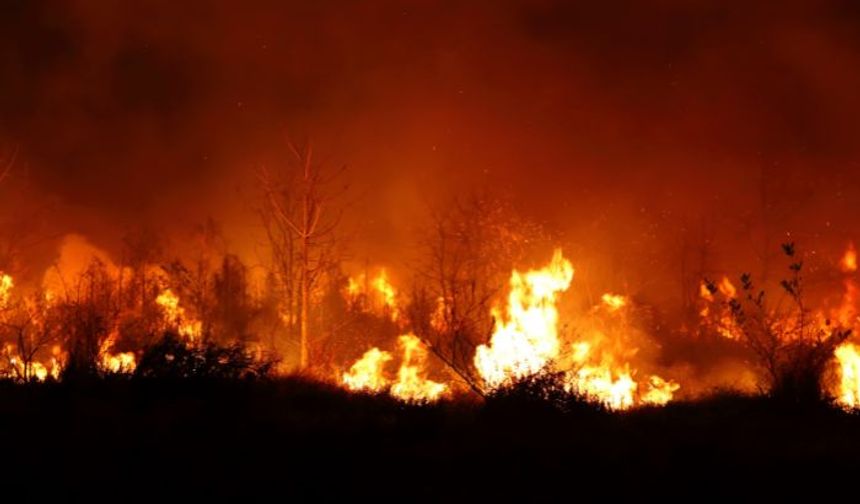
x=458, y=251
x=473, y=323
x=420, y=347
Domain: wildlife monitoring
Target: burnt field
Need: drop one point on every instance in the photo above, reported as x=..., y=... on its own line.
x=294, y=439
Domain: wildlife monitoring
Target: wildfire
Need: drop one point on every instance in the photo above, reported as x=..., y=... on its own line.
x=175, y=314
x=848, y=264
x=727, y=288
x=411, y=385
x=848, y=358
x=122, y=362
x=599, y=383
x=525, y=339
x=716, y=314
x=660, y=391
x=613, y=384
x=614, y=302
x=367, y=372
x=29, y=370
x=847, y=354
x=375, y=293
x=6, y=285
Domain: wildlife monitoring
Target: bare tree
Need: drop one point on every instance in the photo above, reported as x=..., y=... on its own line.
x=301, y=212
x=31, y=328
x=88, y=312
x=469, y=249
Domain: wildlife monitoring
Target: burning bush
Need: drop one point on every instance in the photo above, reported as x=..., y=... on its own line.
x=791, y=346
x=172, y=358
x=546, y=389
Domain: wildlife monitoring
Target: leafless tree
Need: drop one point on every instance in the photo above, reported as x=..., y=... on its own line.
x=88, y=311
x=468, y=251
x=30, y=327
x=301, y=212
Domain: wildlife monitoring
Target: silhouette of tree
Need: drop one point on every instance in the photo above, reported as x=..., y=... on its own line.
x=301, y=212
x=469, y=249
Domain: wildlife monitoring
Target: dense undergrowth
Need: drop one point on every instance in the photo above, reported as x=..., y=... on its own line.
x=295, y=437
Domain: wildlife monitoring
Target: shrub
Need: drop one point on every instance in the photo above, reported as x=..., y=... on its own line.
x=173, y=358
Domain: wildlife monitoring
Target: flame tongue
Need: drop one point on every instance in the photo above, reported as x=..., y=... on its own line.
x=368, y=373
x=411, y=385
x=526, y=339
x=848, y=358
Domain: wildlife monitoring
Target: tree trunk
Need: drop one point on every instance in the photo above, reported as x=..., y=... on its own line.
x=305, y=273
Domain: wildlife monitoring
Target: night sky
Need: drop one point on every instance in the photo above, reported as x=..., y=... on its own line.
x=620, y=125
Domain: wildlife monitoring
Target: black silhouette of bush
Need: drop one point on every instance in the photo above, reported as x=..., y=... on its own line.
x=546, y=391
x=172, y=358
x=790, y=346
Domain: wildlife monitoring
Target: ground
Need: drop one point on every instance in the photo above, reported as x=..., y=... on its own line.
x=296, y=440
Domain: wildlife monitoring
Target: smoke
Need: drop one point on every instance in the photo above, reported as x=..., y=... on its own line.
x=625, y=127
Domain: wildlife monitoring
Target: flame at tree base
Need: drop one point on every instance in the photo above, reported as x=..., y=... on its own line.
x=848, y=359
x=368, y=373
x=526, y=341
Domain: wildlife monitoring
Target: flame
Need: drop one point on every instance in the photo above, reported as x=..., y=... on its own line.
x=525, y=339
x=848, y=264
x=6, y=285
x=372, y=294
x=705, y=293
x=366, y=374
x=18, y=368
x=123, y=362
x=386, y=291
x=612, y=384
x=176, y=315
x=615, y=389
x=727, y=288
x=438, y=320
x=614, y=302
x=717, y=315
x=411, y=386
x=848, y=358
x=660, y=391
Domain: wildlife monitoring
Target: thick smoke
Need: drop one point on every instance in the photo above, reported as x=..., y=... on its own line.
x=631, y=129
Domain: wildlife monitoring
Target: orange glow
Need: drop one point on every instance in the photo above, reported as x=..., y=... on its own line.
x=411, y=385
x=366, y=374
x=727, y=288
x=175, y=315
x=6, y=285
x=375, y=294
x=660, y=391
x=614, y=301
x=525, y=339
x=848, y=263
x=122, y=362
x=848, y=358
x=18, y=368
x=716, y=314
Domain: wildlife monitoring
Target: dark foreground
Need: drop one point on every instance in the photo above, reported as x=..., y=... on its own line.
x=294, y=440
